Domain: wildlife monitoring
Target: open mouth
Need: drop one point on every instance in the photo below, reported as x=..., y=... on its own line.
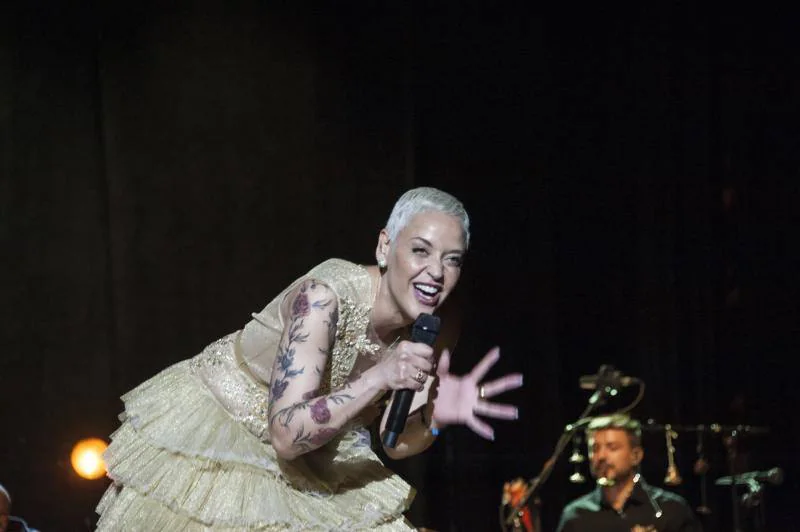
x=427, y=294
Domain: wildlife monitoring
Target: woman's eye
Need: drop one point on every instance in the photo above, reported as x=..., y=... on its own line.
x=420, y=251
x=454, y=261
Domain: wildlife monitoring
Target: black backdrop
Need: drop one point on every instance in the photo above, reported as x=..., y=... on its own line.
x=631, y=175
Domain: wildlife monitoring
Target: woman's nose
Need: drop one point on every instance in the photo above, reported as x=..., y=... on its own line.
x=436, y=270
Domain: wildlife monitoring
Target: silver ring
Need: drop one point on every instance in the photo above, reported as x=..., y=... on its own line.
x=481, y=393
x=420, y=378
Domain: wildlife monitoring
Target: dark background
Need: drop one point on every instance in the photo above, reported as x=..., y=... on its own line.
x=167, y=167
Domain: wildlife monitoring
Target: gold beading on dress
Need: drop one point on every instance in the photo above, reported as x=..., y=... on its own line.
x=351, y=340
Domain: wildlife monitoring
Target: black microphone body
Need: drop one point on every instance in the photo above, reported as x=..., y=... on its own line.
x=425, y=330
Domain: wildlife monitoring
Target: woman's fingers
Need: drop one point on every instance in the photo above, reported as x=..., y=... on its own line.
x=462, y=399
x=505, y=383
x=424, y=364
x=419, y=367
x=481, y=428
x=409, y=365
x=496, y=410
x=444, y=363
x=486, y=363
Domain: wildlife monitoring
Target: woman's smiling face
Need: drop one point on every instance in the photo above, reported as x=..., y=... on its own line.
x=423, y=264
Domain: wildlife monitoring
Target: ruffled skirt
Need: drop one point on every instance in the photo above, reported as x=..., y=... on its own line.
x=182, y=462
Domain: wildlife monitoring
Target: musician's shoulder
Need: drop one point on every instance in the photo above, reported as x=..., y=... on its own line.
x=585, y=503
x=663, y=495
x=573, y=512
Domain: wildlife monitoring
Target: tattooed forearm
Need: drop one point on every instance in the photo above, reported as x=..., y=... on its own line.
x=305, y=441
x=302, y=440
x=284, y=416
x=320, y=413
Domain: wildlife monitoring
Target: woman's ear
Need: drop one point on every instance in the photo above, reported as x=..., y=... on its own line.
x=382, y=249
x=638, y=455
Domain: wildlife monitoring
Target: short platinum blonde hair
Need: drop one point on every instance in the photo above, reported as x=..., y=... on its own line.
x=426, y=199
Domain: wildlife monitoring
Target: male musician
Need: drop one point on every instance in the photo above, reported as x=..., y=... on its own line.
x=623, y=501
x=5, y=508
x=9, y=523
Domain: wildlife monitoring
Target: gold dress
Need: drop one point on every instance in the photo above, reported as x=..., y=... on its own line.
x=193, y=451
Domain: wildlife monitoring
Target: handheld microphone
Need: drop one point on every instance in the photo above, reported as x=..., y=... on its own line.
x=424, y=331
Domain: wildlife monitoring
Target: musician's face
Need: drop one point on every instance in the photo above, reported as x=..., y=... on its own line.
x=612, y=456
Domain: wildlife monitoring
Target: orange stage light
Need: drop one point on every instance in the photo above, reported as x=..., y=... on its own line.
x=87, y=458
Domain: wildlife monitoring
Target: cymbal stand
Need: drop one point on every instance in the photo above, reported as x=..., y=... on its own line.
x=730, y=442
x=754, y=501
x=701, y=468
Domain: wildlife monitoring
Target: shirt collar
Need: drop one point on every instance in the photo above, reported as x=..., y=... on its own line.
x=637, y=497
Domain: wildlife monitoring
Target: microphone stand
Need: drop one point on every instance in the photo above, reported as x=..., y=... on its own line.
x=604, y=389
x=730, y=443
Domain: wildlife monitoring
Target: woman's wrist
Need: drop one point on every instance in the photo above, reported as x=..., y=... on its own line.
x=429, y=421
x=376, y=380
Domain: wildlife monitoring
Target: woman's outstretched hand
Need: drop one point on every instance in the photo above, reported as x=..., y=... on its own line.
x=460, y=400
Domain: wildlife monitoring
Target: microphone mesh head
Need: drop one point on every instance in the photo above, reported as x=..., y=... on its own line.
x=425, y=329
x=775, y=476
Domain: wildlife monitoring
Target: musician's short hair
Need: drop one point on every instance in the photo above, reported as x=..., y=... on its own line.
x=616, y=421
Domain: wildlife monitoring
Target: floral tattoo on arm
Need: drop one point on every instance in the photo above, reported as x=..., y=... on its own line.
x=286, y=368
x=286, y=371
x=320, y=415
x=301, y=308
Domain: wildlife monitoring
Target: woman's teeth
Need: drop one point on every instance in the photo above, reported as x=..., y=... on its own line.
x=427, y=289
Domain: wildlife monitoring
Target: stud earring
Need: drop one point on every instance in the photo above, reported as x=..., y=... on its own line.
x=381, y=263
